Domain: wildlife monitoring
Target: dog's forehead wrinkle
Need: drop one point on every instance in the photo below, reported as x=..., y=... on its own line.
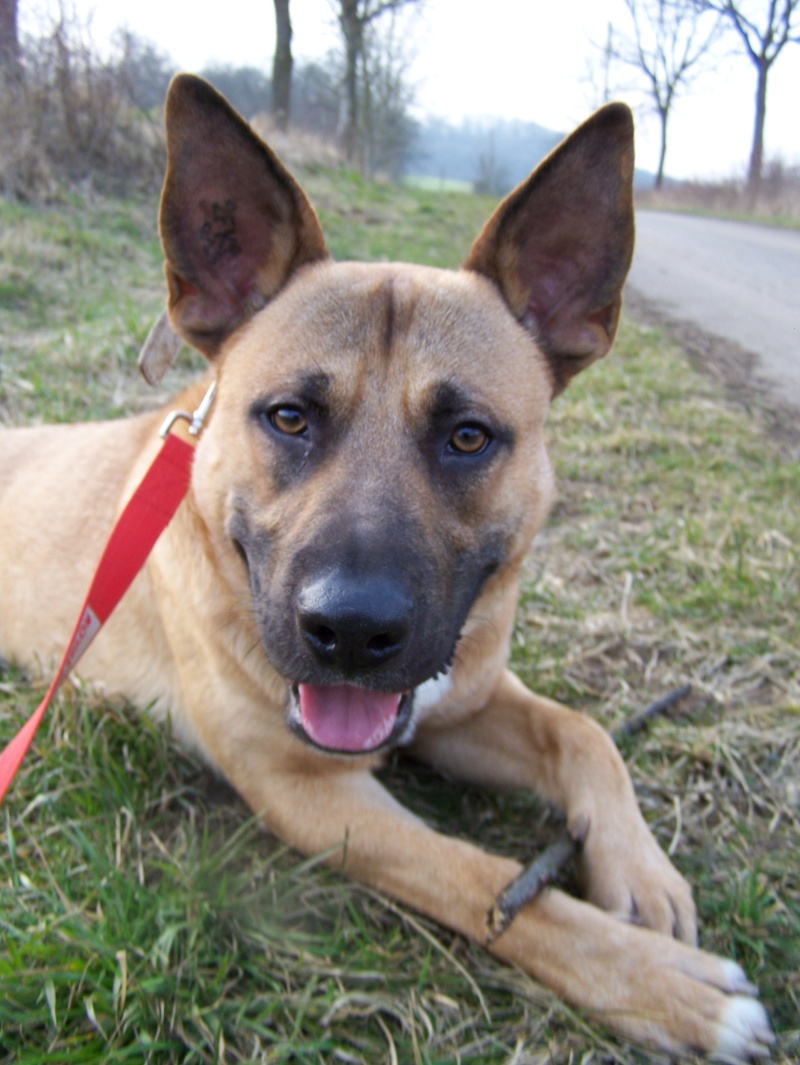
x=389, y=316
x=361, y=301
x=380, y=329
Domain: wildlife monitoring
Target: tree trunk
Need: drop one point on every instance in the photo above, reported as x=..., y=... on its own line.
x=353, y=32
x=662, y=155
x=10, y=57
x=757, y=151
x=281, y=66
x=13, y=110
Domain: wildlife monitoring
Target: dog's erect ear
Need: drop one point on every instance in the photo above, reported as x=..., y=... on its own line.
x=234, y=223
x=559, y=246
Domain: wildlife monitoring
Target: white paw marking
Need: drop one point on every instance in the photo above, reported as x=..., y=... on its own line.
x=744, y=1032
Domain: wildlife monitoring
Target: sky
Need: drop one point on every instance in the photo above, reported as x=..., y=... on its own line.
x=526, y=59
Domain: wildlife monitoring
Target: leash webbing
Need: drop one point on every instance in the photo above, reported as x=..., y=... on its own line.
x=146, y=515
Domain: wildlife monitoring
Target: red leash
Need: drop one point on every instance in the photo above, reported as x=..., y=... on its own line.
x=145, y=517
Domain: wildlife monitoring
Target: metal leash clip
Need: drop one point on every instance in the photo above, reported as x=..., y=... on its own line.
x=195, y=420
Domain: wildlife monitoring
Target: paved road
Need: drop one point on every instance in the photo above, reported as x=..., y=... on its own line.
x=734, y=280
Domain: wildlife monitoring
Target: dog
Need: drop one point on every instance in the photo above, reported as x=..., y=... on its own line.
x=342, y=577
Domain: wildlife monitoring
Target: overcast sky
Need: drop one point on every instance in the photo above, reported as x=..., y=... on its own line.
x=523, y=59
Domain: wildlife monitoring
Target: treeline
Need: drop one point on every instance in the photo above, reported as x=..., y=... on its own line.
x=491, y=155
x=314, y=94
x=71, y=116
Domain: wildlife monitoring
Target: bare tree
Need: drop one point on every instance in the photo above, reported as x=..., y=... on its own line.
x=492, y=176
x=248, y=89
x=282, y=66
x=315, y=97
x=13, y=135
x=763, y=34
x=354, y=17
x=597, y=71
x=79, y=118
x=669, y=41
x=144, y=71
x=387, y=130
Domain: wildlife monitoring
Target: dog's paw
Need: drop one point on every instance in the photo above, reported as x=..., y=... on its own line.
x=744, y=1031
x=707, y=1004
x=715, y=1009
x=650, y=988
x=624, y=871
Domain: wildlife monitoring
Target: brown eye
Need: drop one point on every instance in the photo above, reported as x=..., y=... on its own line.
x=469, y=439
x=289, y=420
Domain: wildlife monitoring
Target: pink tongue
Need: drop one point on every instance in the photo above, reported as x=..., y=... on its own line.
x=343, y=718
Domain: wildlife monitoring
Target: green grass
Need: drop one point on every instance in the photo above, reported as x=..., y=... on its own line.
x=435, y=184
x=78, y=290
x=144, y=917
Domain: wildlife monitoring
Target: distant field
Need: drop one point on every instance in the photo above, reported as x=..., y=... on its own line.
x=145, y=918
x=433, y=184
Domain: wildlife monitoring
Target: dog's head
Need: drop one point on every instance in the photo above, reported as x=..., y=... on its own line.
x=375, y=467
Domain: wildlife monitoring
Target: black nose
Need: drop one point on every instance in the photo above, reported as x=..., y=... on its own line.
x=354, y=624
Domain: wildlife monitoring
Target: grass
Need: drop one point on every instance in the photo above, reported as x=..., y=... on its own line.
x=776, y=220
x=778, y=203
x=437, y=184
x=145, y=918
x=78, y=290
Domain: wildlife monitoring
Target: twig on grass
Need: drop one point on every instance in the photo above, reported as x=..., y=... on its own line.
x=644, y=717
x=548, y=866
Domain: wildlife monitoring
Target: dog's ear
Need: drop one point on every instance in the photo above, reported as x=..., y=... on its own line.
x=234, y=223
x=559, y=246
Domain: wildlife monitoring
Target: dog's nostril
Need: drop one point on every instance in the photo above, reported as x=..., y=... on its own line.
x=382, y=642
x=325, y=637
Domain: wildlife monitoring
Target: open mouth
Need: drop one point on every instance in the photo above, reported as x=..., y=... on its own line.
x=346, y=719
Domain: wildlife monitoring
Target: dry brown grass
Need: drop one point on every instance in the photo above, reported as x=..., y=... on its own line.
x=296, y=147
x=778, y=202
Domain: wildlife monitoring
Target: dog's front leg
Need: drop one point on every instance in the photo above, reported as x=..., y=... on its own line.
x=520, y=740
x=652, y=988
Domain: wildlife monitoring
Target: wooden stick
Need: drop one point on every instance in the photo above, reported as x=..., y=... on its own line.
x=644, y=717
x=530, y=882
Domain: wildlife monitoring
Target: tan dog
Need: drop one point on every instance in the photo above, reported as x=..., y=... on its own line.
x=342, y=577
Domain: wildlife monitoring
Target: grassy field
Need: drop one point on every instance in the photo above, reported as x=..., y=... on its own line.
x=145, y=918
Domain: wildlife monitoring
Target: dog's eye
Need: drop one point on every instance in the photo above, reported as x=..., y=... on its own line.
x=469, y=439
x=288, y=420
